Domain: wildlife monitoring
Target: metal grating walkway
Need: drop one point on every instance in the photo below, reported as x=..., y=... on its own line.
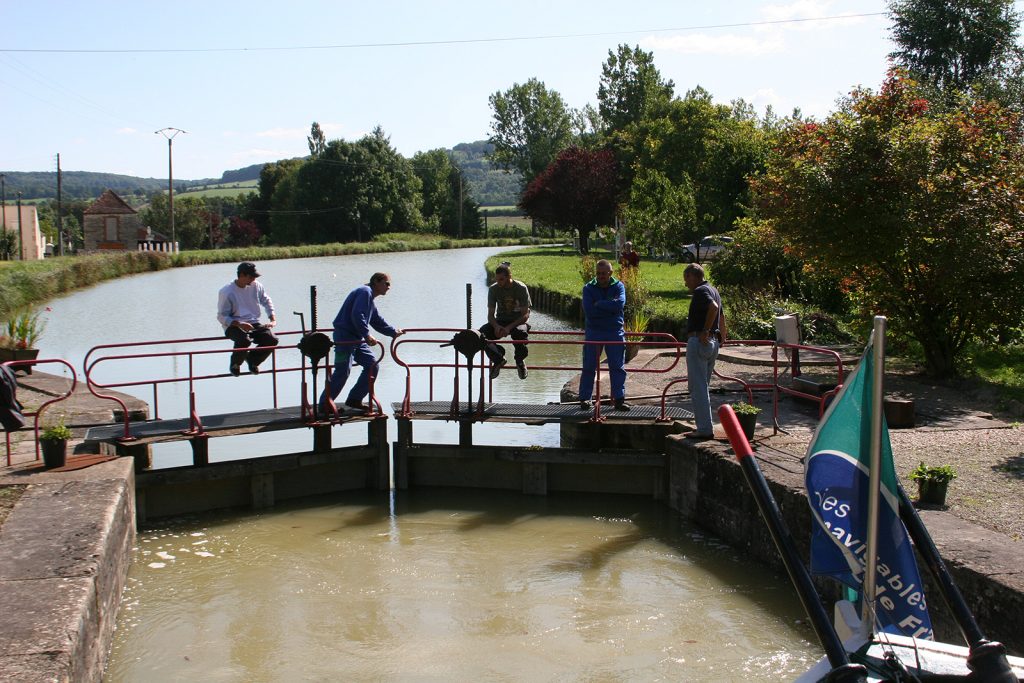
x=253, y=420
x=530, y=412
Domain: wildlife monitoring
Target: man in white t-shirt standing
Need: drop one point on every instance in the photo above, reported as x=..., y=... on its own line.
x=238, y=310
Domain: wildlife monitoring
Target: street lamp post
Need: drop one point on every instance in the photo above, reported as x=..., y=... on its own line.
x=170, y=133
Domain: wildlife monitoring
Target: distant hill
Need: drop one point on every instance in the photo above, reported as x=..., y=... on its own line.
x=488, y=186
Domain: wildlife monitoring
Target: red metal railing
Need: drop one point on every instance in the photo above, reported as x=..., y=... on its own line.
x=442, y=336
x=37, y=414
x=94, y=360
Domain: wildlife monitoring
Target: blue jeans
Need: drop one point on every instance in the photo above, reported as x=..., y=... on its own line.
x=700, y=363
x=344, y=356
x=616, y=360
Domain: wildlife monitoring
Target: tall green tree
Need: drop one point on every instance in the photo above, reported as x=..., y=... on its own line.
x=316, y=139
x=660, y=212
x=271, y=176
x=530, y=126
x=349, y=192
x=578, y=191
x=192, y=219
x=953, y=44
x=443, y=187
x=631, y=88
x=917, y=209
x=712, y=148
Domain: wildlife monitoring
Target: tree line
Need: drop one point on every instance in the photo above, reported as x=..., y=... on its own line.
x=905, y=201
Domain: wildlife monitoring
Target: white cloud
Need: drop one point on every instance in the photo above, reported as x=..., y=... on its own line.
x=764, y=97
x=716, y=45
x=127, y=131
x=803, y=10
x=284, y=133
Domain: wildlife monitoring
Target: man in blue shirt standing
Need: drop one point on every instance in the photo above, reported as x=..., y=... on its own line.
x=604, y=301
x=352, y=340
x=238, y=310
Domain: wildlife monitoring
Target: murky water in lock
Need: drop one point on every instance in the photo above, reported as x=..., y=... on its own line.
x=453, y=585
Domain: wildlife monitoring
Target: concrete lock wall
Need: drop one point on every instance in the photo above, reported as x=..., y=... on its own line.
x=706, y=485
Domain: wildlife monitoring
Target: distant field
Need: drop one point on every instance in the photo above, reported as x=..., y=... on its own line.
x=511, y=221
x=222, y=189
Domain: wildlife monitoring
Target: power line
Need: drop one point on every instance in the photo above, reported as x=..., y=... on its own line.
x=421, y=43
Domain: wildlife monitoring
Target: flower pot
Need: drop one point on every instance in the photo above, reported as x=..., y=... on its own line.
x=748, y=421
x=55, y=452
x=932, y=492
x=19, y=354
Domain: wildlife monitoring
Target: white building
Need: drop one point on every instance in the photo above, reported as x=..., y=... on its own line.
x=31, y=247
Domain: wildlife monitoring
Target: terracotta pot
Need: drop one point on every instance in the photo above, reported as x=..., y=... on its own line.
x=55, y=452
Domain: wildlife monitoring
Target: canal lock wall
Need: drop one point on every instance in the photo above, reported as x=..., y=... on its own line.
x=707, y=487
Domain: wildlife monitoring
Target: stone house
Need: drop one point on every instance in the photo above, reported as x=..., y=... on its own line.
x=110, y=224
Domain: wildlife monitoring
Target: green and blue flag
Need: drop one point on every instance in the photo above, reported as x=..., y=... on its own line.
x=837, y=479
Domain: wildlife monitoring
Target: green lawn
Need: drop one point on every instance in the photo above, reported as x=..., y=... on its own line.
x=557, y=269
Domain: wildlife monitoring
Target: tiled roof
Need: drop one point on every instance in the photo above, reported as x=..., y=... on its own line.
x=109, y=202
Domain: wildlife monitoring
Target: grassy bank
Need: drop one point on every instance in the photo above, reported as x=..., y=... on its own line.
x=25, y=284
x=557, y=269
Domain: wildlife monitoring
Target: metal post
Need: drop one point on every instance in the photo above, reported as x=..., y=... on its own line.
x=21, y=250
x=60, y=218
x=170, y=134
x=874, y=477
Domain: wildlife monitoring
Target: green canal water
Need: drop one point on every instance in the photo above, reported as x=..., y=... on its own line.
x=453, y=585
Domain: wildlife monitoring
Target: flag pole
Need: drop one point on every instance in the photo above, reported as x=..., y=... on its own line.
x=874, y=476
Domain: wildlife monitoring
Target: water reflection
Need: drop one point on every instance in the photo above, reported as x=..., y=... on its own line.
x=454, y=585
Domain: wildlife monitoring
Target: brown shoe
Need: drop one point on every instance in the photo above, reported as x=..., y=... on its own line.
x=521, y=369
x=620, y=404
x=356, y=405
x=496, y=367
x=586, y=405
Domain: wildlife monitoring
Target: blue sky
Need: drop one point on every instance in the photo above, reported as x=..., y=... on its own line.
x=246, y=79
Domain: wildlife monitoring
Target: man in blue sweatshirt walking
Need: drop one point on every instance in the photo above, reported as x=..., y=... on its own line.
x=352, y=340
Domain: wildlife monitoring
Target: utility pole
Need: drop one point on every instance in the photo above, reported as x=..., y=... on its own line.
x=60, y=212
x=21, y=248
x=460, y=202
x=170, y=133
x=3, y=199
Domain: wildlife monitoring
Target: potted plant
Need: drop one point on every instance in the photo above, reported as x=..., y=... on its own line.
x=54, y=443
x=19, y=341
x=747, y=416
x=932, y=482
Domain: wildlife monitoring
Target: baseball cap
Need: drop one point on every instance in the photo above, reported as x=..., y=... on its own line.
x=246, y=268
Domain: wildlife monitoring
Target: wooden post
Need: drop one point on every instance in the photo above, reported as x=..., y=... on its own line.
x=322, y=438
x=379, y=473
x=200, y=444
x=401, y=453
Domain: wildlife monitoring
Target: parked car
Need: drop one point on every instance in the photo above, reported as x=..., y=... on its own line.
x=710, y=247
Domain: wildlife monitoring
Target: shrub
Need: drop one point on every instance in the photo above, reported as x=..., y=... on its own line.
x=56, y=432
x=936, y=473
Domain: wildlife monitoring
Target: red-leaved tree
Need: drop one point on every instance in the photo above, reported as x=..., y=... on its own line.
x=578, y=190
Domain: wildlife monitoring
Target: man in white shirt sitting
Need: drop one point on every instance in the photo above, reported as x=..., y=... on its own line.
x=238, y=310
